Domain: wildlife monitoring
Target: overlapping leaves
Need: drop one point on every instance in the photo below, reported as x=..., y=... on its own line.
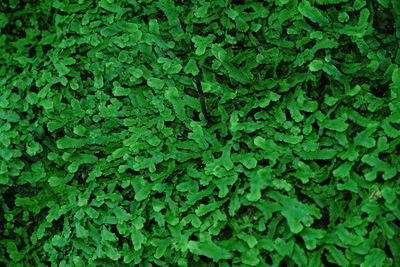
x=109, y=158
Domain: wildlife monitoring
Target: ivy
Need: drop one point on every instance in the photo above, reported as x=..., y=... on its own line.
x=199, y=133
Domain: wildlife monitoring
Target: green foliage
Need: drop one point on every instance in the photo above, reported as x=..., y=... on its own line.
x=199, y=133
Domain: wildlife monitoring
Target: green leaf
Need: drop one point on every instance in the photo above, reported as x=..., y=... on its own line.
x=204, y=209
x=155, y=83
x=343, y=170
x=358, y=4
x=81, y=232
x=61, y=68
x=338, y=124
x=312, y=13
x=137, y=238
x=15, y=254
x=80, y=130
x=389, y=194
x=219, y=52
x=3, y=20
x=109, y=6
x=249, y=239
x=282, y=247
x=174, y=97
x=316, y=65
x=59, y=241
x=258, y=182
x=191, y=67
x=375, y=258
x=364, y=138
x=323, y=154
x=106, y=235
x=347, y=237
x=250, y=257
x=209, y=249
x=55, y=181
x=197, y=135
x=68, y=142
x=202, y=43
x=297, y=214
x=249, y=161
x=118, y=90
x=330, y=2
x=337, y=255
x=312, y=237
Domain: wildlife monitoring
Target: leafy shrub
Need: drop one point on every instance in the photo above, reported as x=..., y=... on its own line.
x=200, y=133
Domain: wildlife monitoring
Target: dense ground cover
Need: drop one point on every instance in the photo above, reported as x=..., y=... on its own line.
x=200, y=133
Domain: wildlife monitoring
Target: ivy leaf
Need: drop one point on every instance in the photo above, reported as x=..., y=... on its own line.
x=81, y=232
x=106, y=235
x=68, y=142
x=174, y=97
x=191, y=67
x=155, y=83
x=338, y=124
x=389, y=194
x=312, y=237
x=375, y=258
x=348, y=238
x=249, y=239
x=343, y=170
x=209, y=249
x=197, y=135
x=249, y=161
x=337, y=255
x=201, y=43
x=313, y=13
x=250, y=257
x=297, y=214
x=258, y=182
x=316, y=65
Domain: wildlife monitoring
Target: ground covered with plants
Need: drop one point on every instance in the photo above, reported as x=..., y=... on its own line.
x=200, y=133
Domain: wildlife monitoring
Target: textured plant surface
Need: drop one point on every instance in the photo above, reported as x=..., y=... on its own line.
x=200, y=133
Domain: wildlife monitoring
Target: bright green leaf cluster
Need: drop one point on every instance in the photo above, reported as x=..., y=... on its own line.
x=199, y=133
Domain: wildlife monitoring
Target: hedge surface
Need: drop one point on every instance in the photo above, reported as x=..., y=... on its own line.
x=200, y=133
